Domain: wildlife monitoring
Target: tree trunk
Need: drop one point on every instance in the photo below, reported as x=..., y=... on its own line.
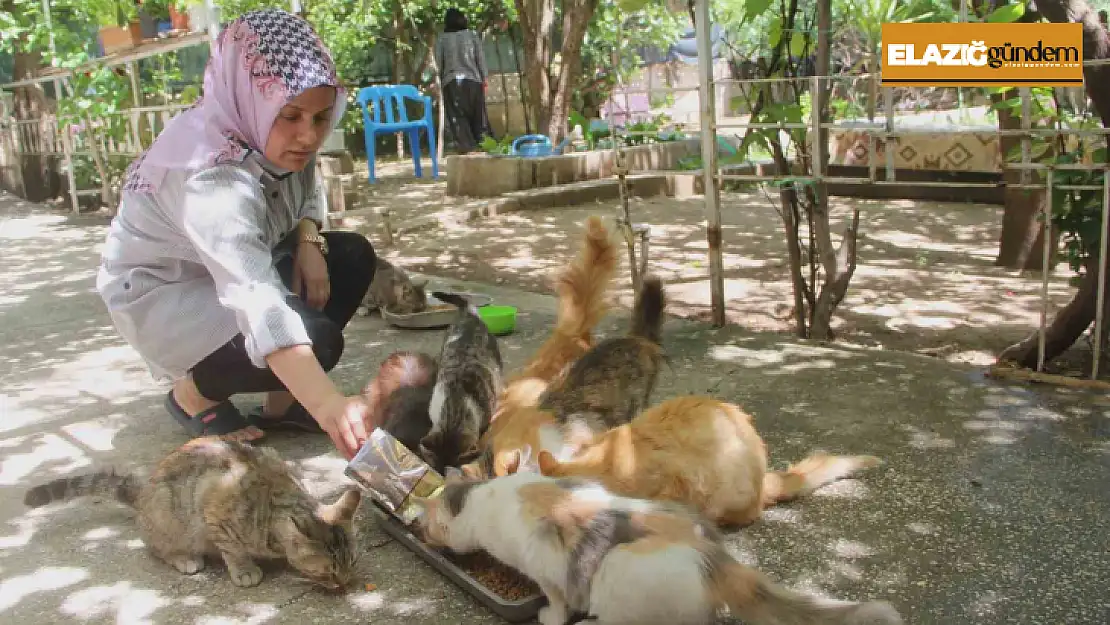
x=1073, y=320
x=548, y=97
x=30, y=104
x=1022, y=236
x=537, y=19
x=838, y=263
x=576, y=19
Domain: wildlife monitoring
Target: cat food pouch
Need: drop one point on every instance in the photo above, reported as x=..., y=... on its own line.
x=393, y=476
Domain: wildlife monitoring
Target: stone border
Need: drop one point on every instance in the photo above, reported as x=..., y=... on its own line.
x=482, y=175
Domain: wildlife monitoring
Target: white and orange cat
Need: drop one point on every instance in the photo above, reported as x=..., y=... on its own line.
x=613, y=560
x=698, y=451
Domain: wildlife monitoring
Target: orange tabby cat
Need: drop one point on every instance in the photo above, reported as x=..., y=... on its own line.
x=701, y=452
x=581, y=288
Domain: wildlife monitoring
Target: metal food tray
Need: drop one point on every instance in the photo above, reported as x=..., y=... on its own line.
x=432, y=319
x=520, y=611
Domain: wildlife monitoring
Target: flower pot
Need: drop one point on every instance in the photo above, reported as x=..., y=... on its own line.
x=114, y=38
x=178, y=21
x=136, y=30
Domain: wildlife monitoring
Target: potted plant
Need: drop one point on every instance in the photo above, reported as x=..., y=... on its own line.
x=119, y=24
x=179, y=16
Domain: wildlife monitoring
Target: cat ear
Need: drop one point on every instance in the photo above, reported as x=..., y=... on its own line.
x=343, y=510
x=548, y=464
x=511, y=461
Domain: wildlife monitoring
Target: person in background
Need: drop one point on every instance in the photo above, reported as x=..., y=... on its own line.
x=215, y=269
x=462, y=73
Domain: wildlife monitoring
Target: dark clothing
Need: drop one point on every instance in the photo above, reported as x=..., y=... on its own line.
x=465, y=102
x=351, y=262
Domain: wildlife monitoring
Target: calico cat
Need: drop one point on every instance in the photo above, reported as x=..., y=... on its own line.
x=399, y=396
x=466, y=389
x=605, y=388
x=232, y=499
x=393, y=290
x=612, y=560
x=702, y=452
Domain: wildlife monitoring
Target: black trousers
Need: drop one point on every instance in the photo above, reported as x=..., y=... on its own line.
x=351, y=262
x=465, y=105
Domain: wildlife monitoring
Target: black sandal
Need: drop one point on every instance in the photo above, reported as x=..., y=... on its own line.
x=219, y=420
x=295, y=419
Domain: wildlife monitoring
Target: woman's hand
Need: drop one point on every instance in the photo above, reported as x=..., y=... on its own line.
x=310, y=275
x=344, y=419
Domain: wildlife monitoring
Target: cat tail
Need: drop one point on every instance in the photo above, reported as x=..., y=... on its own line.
x=455, y=299
x=581, y=286
x=753, y=598
x=810, y=474
x=647, y=312
x=123, y=487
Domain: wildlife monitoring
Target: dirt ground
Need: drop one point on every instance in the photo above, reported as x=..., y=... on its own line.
x=925, y=281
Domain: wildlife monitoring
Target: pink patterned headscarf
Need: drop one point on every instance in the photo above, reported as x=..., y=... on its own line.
x=260, y=61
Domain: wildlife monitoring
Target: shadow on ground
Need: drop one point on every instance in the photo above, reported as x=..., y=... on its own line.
x=926, y=280
x=990, y=508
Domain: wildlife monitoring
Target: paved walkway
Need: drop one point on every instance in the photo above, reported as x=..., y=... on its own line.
x=992, y=507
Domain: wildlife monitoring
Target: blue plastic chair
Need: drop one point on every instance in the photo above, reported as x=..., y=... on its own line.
x=390, y=117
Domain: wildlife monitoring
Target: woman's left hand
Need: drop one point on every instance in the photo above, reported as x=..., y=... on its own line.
x=310, y=275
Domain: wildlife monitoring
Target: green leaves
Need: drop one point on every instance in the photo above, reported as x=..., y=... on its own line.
x=774, y=33
x=1006, y=14
x=755, y=8
x=798, y=45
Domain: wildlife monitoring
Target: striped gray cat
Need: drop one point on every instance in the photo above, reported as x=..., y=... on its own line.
x=468, y=383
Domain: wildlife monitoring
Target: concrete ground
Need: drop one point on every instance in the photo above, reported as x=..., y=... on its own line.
x=992, y=505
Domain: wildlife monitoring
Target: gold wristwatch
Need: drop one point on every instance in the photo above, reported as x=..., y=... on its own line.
x=318, y=240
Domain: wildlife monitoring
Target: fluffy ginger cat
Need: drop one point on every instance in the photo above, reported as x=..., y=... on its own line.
x=611, y=560
x=605, y=388
x=701, y=452
x=581, y=287
x=231, y=499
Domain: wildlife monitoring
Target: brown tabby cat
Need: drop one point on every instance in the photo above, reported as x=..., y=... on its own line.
x=393, y=290
x=613, y=381
x=213, y=496
x=605, y=388
x=702, y=452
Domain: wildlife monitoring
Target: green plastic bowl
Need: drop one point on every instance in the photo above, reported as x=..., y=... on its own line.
x=499, y=319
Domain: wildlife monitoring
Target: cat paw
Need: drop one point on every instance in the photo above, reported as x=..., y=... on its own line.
x=552, y=615
x=245, y=575
x=188, y=565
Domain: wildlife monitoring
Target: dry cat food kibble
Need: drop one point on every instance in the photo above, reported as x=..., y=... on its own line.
x=503, y=581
